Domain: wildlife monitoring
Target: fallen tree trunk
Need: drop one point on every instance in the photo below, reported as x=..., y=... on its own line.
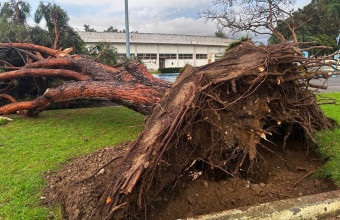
x=130, y=85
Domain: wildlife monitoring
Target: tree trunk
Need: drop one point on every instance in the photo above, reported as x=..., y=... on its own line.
x=130, y=85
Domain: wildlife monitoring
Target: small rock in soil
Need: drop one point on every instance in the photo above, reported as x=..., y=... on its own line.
x=205, y=184
x=101, y=171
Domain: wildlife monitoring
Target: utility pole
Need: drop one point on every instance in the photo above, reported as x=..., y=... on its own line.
x=127, y=29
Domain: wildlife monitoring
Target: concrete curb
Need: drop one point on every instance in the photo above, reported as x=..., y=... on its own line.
x=305, y=207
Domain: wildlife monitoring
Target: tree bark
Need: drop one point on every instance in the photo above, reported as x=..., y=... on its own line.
x=130, y=84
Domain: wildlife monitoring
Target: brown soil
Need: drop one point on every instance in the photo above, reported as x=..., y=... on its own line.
x=208, y=193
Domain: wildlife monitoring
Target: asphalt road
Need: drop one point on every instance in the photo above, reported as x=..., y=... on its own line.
x=332, y=83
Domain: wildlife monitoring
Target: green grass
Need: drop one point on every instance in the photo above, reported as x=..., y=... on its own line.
x=329, y=143
x=154, y=72
x=34, y=145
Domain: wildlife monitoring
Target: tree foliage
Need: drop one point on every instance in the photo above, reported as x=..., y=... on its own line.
x=13, y=16
x=56, y=21
x=104, y=53
x=112, y=29
x=87, y=28
x=15, y=11
x=318, y=22
x=14, y=30
x=220, y=34
x=257, y=16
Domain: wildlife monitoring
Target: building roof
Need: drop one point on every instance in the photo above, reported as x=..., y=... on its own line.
x=150, y=38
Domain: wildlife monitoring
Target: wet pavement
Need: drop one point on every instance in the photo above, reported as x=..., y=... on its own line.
x=333, y=84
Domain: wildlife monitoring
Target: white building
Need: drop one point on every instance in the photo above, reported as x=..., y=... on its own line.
x=163, y=50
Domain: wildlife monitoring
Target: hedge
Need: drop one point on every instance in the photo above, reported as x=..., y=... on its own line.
x=170, y=70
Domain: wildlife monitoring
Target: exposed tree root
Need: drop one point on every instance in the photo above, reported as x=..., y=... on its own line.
x=217, y=114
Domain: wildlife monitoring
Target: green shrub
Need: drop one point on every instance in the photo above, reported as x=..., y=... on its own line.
x=235, y=43
x=170, y=70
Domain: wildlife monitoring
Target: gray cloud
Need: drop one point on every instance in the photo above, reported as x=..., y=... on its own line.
x=180, y=25
x=149, y=16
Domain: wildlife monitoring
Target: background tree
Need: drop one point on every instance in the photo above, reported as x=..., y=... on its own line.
x=104, y=53
x=13, y=16
x=55, y=17
x=318, y=22
x=13, y=31
x=111, y=29
x=60, y=32
x=257, y=16
x=115, y=30
x=13, y=28
x=87, y=28
x=220, y=34
x=15, y=11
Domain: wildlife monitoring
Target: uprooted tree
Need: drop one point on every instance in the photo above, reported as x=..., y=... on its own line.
x=218, y=115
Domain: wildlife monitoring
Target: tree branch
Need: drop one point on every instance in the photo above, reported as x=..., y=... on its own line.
x=42, y=72
x=31, y=47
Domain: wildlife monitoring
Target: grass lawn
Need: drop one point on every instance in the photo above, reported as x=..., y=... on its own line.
x=329, y=142
x=34, y=145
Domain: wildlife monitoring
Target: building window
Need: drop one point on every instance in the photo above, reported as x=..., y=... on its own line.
x=201, y=56
x=167, y=56
x=147, y=56
x=185, y=56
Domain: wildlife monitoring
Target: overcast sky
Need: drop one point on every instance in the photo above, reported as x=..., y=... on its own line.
x=146, y=16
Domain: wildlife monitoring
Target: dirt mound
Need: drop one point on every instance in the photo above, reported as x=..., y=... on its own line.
x=198, y=196
x=79, y=199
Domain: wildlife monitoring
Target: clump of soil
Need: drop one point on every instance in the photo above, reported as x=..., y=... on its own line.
x=203, y=195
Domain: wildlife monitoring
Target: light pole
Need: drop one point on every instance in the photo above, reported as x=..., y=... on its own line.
x=127, y=29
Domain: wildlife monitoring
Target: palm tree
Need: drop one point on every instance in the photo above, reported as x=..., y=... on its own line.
x=55, y=17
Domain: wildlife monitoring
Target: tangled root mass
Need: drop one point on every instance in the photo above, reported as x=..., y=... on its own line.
x=217, y=116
